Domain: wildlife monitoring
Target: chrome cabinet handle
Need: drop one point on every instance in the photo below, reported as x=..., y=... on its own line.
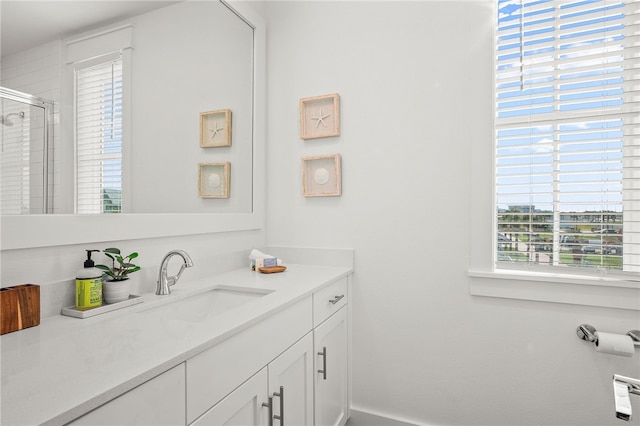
x=336, y=299
x=269, y=405
x=323, y=354
x=281, y=396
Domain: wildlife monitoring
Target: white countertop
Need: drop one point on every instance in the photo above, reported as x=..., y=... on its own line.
x=66, y=367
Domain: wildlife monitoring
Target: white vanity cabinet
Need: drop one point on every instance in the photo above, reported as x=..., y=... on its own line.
x=243, y=406
x=288, y=401
x=331, y=347
x=291, y=384
x=290, y=351
x=331, y=378
x=158, y=402
x=216, y=372
x=217, y=369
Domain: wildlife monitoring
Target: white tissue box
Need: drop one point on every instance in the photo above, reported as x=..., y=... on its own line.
x=259, y=262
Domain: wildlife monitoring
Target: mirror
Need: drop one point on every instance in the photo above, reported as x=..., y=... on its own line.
x=171, y=130
x=186, y=58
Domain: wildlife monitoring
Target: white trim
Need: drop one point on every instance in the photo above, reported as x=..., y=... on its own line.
x=527, y=285
x=53, y=230
x=99, y=43
x=573, y=290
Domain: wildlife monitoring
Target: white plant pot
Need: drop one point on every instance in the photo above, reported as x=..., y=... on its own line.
x=116, y=291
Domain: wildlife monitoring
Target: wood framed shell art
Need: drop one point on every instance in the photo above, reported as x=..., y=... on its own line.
x=322, y=176
x=215, y=128
x=320, y=116
x=214, y=180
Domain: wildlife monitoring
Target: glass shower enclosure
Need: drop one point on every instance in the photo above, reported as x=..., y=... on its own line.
x=26, y=156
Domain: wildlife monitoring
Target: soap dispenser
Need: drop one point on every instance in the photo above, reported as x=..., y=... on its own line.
x=88, y=285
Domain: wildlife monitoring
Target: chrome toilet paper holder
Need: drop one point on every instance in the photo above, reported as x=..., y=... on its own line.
x=588, y=332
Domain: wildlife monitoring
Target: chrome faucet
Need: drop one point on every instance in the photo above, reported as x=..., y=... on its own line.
x=622, y=387
x=164, y=281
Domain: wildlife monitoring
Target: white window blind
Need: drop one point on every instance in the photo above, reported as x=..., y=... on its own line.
x=568, y=135
x=98, y=94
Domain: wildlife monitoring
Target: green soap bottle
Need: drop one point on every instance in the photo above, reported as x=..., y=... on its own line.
x=88, y=285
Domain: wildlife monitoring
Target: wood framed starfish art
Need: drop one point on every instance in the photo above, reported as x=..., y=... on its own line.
x=320, y=116
x=215, y=128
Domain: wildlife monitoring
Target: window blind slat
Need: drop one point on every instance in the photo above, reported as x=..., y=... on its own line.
x=99, y=138
x=567, y=104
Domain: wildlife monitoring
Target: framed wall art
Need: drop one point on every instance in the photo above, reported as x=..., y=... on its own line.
x=321, y=176
x=320, y=116
x=214, y=180
x=215, y=128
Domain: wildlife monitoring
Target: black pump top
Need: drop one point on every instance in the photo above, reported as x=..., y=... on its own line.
x=89, y=263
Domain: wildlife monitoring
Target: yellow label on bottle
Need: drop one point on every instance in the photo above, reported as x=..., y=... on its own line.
x=88, y=293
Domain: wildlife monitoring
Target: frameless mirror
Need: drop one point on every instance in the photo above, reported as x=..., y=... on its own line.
x=186, y=58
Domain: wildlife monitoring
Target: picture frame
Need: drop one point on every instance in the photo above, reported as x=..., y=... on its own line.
x=322, y=176
x=214, y=180
x=320, y=116
x=215, y=128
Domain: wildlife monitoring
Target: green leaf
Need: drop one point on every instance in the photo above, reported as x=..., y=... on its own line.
x=123, y=267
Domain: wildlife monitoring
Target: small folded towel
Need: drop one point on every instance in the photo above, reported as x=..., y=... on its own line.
x=257, y=254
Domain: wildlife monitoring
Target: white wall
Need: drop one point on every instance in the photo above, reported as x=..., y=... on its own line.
x=415, y=80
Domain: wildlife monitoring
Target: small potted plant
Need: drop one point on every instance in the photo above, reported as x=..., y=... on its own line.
x=116, y=288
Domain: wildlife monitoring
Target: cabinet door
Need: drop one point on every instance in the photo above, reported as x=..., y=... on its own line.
x=291, y=384
x=216, y=372
x=160, y=401
x=242, y=407
x=331, y=374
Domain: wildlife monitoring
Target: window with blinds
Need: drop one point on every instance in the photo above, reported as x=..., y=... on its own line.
x=98, y=133
x=567, y=171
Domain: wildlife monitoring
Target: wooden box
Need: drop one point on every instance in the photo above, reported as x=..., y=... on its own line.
x=19, y=307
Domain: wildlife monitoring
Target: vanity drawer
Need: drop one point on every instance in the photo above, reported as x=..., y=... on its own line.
x=329, y=300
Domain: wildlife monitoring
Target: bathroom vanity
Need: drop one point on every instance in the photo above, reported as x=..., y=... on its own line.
x=240, y=348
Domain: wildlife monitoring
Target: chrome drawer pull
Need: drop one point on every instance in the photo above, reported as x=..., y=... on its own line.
x=281, y=396
x=336, y=299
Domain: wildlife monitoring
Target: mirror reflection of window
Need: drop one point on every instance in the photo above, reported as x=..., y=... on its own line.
x=98, y=124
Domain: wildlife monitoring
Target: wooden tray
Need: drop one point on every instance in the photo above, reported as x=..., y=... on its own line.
x=272, y=269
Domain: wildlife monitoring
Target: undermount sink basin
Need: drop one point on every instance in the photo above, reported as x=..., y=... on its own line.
x=197, y=307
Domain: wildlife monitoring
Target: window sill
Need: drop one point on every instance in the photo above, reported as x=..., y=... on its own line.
x=541, y=287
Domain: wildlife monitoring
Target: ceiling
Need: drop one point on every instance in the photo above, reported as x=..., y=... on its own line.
x=25, y=23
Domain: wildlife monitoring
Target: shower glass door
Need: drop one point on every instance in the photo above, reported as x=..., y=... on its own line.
x=24, y=153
